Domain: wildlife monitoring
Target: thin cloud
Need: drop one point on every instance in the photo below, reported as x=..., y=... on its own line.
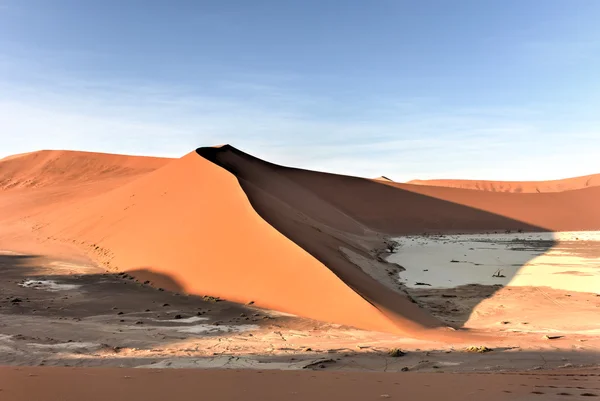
x=287, y=129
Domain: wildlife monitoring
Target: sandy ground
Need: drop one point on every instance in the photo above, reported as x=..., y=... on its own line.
x=71, y=331
x=65, y=384
x=59, y=313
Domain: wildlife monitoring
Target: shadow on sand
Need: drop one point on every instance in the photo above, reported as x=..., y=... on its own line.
x=112, y=303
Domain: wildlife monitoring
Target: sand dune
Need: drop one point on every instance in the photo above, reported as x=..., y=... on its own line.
x=383, y=178
x=223, y=223
x=55, y=167
x=566, y=184
x=191, y=221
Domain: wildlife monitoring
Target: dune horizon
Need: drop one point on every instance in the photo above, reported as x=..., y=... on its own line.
x=554, y=185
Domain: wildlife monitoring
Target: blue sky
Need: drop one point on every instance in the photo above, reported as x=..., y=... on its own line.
x=407, y=89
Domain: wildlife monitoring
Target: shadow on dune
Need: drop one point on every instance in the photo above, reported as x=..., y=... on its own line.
x=333, y=216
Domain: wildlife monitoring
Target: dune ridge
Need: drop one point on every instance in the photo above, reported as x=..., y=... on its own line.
x=55, y=167
x=221, y=222
x=566, y=184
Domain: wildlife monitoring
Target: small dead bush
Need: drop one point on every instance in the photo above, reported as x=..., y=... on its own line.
x=396, y=353
x=480, y=349
x=392, y=246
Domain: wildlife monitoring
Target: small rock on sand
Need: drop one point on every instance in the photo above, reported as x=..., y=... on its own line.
x=547, y=337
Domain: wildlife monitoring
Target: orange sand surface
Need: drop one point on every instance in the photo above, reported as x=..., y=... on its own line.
x=566, y=184
x=75, y=384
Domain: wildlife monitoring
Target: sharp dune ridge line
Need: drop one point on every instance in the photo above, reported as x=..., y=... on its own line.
x=566, y=184
x=220, y=222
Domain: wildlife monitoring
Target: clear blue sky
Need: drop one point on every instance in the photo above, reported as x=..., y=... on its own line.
x=408, y=89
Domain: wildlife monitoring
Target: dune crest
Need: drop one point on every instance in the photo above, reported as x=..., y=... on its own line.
x=567, y=184
x=383, y=178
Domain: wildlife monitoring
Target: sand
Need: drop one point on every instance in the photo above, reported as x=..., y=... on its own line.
x=299, y=261
x=567, y=184
x=125, y=384
x=220, y=222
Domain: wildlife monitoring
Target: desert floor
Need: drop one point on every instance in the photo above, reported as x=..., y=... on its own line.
x=70, y=313
x=60, y=313
x=69, y=384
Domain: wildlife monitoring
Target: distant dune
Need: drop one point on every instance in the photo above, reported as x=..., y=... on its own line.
x=55, y=167
x=566, y=184
x=383, y=178
x=221, y=222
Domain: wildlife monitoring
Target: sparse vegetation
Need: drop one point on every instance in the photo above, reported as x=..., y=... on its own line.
x=209, y=298
x=392, y=246
x=396, y=353
x=478, y=349
x=498, y=274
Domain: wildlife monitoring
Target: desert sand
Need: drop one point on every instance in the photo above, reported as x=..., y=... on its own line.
x=566, y=184
x=127, y=384
x=220, y=259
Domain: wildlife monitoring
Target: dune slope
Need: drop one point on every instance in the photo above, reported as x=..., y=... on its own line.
x=395, y=208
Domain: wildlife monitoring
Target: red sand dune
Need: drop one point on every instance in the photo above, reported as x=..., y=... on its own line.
x=220, y=222
x=383, y=178
x=566, y=184
x=55, y=167
x=32, y=183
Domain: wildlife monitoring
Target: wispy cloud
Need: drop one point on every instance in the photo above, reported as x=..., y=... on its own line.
x=400, y=138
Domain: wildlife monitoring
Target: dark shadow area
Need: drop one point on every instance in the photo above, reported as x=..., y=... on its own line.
x=112, y=308
x=323, y=213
